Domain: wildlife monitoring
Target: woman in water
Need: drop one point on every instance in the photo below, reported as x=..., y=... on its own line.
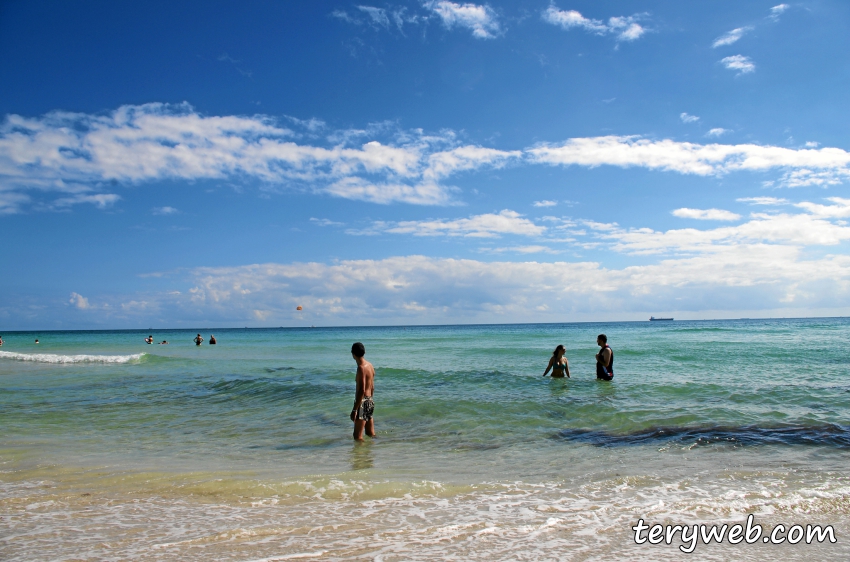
x=558, y=363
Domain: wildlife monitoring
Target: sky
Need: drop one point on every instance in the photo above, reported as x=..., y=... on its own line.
x=215, y=164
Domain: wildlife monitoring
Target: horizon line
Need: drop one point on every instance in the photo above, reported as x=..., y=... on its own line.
x=209, y=329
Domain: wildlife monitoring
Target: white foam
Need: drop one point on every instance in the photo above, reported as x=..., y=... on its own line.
x=543, y=521
x=53, y=358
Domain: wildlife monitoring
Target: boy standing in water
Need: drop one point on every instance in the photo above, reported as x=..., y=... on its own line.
x=364, y=406
x=604, y=359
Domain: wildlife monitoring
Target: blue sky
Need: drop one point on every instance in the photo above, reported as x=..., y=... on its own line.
x=219, y=164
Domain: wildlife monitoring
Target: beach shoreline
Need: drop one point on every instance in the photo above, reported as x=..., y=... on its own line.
x=243, y=450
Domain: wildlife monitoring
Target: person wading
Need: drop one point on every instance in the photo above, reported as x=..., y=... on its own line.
x=604, y=359
x=558, y=363
x=364, y=405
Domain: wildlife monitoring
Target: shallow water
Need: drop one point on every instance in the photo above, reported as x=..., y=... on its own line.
x=112, y=448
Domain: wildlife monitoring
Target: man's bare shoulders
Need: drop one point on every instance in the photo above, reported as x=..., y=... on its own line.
x=367, y=369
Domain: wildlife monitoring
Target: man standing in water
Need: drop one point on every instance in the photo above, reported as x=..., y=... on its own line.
x=604, y=359
x=364, y=406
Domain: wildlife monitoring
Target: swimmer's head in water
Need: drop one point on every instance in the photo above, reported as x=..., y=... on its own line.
x=358, y=349
x=602, y=337
x=560, y=348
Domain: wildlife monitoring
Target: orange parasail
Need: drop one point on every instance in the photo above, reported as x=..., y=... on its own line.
x=299, y=307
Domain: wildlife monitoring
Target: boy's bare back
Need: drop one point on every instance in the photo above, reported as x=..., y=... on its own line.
x=366, y=378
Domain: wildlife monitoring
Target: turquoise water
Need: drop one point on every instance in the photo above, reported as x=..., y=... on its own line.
x=712, y=419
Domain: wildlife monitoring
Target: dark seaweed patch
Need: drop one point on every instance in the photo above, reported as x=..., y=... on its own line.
x=826, y=435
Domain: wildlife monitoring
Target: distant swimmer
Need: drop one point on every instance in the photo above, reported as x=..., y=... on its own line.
x=149, y=340
x=604, y=359
x=163, y=342
x=1, y=341
x=558, y=363
x=364, y=405
x=212, y=340
x=198, y=340
x=36, y=341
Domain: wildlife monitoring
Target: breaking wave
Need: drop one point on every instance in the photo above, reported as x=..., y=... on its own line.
x=53, y=358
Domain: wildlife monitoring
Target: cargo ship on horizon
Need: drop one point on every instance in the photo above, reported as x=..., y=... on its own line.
x=654, y=319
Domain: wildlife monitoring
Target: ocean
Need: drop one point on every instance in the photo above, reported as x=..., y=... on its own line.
x=112, y=449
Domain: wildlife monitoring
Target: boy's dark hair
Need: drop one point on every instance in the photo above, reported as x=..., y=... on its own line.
x=602, y=337
x=358, y=349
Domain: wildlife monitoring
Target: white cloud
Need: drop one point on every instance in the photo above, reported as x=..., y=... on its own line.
x=224, y=57
x=770, y=201
x=377, y=15
x=626, y=28
x=99, y=200
x=401, y=17
x=343, y=15
x=433, y=290
x=361, y=189
x=777, y=11
x=11, y=203
x=533, y=249
x=571, y=18
x=803, y=177
x=731, y=36
x=740, y=63
x=839, y=209
x=79, y=301
x=312, y=125
x=760, y=264
x=78, y=156
x=165, y=211
x=490, y=225
x=806, y=165
x=481, y=20
x=326, y=222
x=706, y=214
x=545, y=203
x=77, y=153
x=445, y=163
x=812, y=144
x=717, y=131
x=772, y=229
x=135, y=306
x=688, y=118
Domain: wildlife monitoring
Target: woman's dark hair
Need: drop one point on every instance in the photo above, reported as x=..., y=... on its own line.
x=358, y=349
x=602, y=337
x=554, y=353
